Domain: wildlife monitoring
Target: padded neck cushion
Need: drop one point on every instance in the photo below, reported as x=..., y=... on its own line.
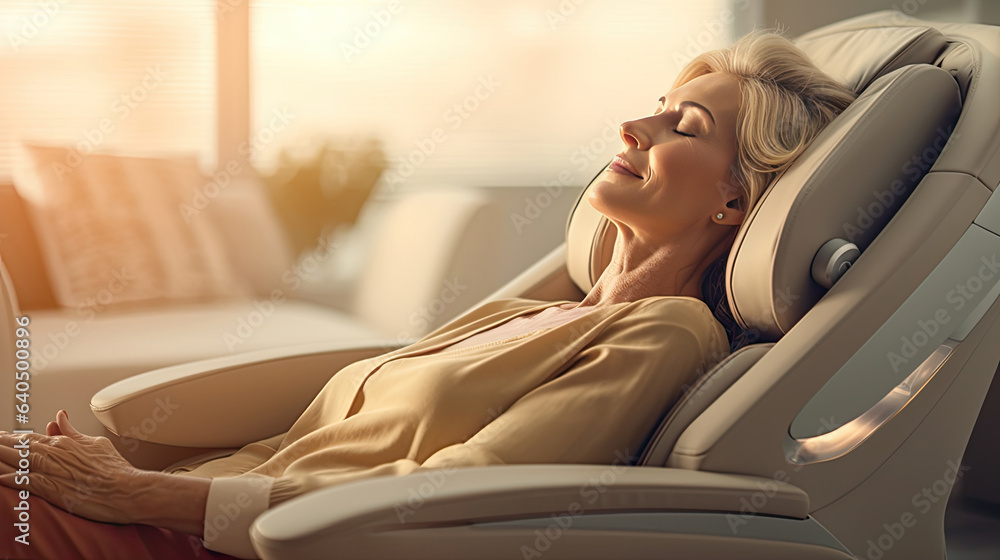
x=848, y=184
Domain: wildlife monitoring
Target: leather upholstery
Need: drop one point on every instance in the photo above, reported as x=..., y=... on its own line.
x=838, y=188
x=696, y=399
x=887, y=49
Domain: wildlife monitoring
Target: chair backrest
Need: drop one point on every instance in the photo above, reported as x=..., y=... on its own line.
x=874, y=385
x=865, y=392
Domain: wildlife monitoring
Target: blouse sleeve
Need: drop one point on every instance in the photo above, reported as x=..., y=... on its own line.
x=599, y=410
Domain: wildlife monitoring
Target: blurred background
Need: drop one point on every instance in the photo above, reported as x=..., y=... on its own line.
x=288, y=171
x=502, y=96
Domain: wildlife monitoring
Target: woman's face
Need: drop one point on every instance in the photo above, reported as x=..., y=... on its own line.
x=675, y=173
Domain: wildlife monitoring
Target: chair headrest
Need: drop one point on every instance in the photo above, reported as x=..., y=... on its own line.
x=857, y=57
x=848, y=184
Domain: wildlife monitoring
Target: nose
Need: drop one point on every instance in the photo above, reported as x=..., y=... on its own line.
x=641, y=133
x=629, y=131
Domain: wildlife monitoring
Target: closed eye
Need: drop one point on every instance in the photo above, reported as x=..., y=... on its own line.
x=684, y=133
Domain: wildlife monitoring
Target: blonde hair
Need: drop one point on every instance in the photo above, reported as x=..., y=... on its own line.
x=786, y=102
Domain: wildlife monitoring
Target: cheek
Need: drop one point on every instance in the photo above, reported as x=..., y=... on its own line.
x=690, y=166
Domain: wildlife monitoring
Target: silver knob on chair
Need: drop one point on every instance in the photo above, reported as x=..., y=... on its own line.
x=832, y=261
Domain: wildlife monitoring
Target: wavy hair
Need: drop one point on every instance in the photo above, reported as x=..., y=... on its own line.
x=786, y=102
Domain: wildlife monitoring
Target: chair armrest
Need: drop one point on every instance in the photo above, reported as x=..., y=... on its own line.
x=437, y=513
x=229, y=401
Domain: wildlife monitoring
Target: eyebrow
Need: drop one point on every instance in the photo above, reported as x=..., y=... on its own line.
x=699, y=106
x=691, y=104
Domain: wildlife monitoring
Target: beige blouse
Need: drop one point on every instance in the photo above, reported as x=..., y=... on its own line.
x=586, y=390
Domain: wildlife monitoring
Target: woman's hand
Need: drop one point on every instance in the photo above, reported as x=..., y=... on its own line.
x=81, y=474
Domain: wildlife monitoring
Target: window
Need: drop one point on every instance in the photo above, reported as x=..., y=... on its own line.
x=136, y=76
x=512, y=93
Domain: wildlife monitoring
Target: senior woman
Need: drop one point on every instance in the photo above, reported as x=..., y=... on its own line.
x=512, y=381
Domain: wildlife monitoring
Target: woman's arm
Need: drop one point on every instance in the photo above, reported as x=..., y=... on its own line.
x=172, y=502
x=87, y=476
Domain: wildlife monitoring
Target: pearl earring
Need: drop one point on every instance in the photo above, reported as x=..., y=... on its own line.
x=718, y=216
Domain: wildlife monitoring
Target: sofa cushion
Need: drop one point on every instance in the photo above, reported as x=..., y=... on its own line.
x=111, y=228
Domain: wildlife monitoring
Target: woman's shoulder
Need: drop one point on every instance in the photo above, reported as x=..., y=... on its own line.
x=684, y=312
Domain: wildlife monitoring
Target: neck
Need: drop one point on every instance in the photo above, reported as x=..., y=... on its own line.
x=639, y=269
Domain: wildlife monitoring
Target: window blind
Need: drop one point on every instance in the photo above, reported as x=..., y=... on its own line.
x=513, y=93
x=135, y=76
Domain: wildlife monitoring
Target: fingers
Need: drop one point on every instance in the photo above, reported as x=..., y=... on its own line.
x=52, y=429
x=62, y=421
x=8, y=480
x=10, y=444
x=8, y=455
x=20, y=449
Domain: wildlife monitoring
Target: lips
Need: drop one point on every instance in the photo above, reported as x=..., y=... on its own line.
x=622, y=166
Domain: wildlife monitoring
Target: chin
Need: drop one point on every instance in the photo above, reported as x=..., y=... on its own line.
x=611, y=198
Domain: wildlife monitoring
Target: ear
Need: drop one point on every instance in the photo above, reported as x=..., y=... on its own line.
x=732, y=214
x=730, y=193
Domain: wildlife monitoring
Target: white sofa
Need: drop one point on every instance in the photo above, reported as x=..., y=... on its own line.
x=76, y=352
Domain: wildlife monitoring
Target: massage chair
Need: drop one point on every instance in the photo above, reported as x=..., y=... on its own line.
x=867, y=277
